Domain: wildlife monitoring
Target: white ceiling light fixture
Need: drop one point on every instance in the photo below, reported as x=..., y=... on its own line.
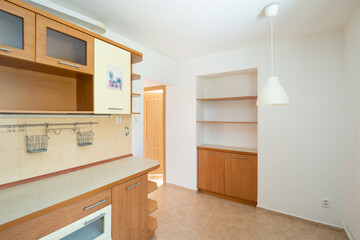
x=272, y=93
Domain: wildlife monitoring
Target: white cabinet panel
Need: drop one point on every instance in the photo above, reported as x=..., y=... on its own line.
x=112, y=79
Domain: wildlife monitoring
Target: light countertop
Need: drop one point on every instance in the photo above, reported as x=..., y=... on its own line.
x=28, y=198
x=229, y=148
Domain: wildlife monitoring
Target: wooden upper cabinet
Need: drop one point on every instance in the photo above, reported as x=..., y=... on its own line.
x=17, y=32
x=129, y=210
x=112, y=79
x=241, y=176
x=62, y=46
x=211, y=171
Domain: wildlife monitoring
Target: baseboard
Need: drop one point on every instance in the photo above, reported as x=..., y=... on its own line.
x=223, y=196
x=347, y=231
x=318, y=223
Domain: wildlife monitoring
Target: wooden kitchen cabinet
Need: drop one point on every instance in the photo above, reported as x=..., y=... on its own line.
x=17, y=26
x=129, y=210
x=228, y=173
x=241, y=176
x=112, y=79
x=63, y=47
x=211, y=170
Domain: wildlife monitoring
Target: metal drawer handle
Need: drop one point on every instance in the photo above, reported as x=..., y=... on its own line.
x=94, y=219
x=5, y=49
x=94, y=205
x=133, y=185
x=116, y=109
x=69, y=64
x=240, y=157
x=210, y=153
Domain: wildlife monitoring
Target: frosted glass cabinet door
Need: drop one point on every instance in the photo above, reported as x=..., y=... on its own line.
x=112, y=79
x=17, y=32
x=62, y=46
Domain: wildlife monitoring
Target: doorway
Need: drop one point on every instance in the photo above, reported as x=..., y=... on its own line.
x=154, y=130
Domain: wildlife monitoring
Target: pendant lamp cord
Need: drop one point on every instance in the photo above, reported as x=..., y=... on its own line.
x=272, y=46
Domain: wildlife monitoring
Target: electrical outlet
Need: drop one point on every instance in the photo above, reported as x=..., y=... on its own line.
x=325, y=203
x=118, y=118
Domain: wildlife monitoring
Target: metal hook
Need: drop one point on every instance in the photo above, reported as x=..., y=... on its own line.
x=57, y=133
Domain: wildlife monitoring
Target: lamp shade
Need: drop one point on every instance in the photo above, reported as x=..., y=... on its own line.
x=272, y=93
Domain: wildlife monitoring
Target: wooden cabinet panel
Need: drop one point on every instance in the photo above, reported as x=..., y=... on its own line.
x=17, y=32
x=211, y=171
x=61, y=46
x=112, y=79
x=46, y=224
x=129, y=210
x=241, y=176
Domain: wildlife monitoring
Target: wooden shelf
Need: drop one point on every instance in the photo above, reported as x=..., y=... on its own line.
x=45, y=112
x=224, y=122
x=135, y=113
x=152, y=225
x=228, y=98
x=135, y=76
x=152, y=205
x=152, y=186
x=136, y=94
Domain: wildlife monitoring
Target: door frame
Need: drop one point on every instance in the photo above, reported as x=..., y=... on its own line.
x=160, y=87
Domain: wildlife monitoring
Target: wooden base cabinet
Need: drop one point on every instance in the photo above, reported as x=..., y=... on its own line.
x=241, y=176
x=211, y=171
x=229, y=175
x=129, y=210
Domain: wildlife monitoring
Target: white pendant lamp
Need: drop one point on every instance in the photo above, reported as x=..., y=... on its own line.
x=272, y=93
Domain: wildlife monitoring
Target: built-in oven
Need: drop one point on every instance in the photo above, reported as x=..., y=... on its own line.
x=96, y=226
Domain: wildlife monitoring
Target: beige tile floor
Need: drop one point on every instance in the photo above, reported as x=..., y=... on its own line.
x=186, y=214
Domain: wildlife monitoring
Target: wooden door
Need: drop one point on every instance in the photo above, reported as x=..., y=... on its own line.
x=61, y=46
x=211, y=171
x=112, y=79
x=241, y=176
x=154, y=127
x=129, y=210
x=17, y=26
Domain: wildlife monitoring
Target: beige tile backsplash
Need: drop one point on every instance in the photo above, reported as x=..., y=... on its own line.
x=63, y=152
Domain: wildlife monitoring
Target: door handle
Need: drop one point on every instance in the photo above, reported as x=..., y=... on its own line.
x=94, y=205
x=5, y=49
x=238, y=157
x=138, y=183
x=116, y=108
x=94, y=219
x=69, y=64
x=210, y=153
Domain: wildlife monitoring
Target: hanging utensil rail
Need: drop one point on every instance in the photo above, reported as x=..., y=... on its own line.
x=46, y=124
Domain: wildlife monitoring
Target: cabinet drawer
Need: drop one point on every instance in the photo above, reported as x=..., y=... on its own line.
x=241, y=176
x=48, y=223
x=211, y=170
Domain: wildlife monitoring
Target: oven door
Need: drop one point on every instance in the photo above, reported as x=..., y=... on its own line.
x=96, y=226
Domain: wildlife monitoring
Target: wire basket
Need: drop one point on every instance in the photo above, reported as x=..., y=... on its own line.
x=36, y=143
x=85, y=138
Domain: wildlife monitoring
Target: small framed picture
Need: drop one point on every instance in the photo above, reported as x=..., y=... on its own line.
x=114, y=77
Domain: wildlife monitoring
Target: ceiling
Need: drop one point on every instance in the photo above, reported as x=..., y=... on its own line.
x=185, y=29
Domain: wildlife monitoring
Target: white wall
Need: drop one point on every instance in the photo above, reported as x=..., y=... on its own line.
x=153, y=67
x=352, y=168
x=301, y=146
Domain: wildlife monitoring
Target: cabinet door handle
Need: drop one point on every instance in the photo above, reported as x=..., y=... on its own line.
x=210, y=153
x=127, y=188
x=94, y=205
x=240, y=157
x=5, y=49
x=94, y=219
x=116, y=108
x=69, y=64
